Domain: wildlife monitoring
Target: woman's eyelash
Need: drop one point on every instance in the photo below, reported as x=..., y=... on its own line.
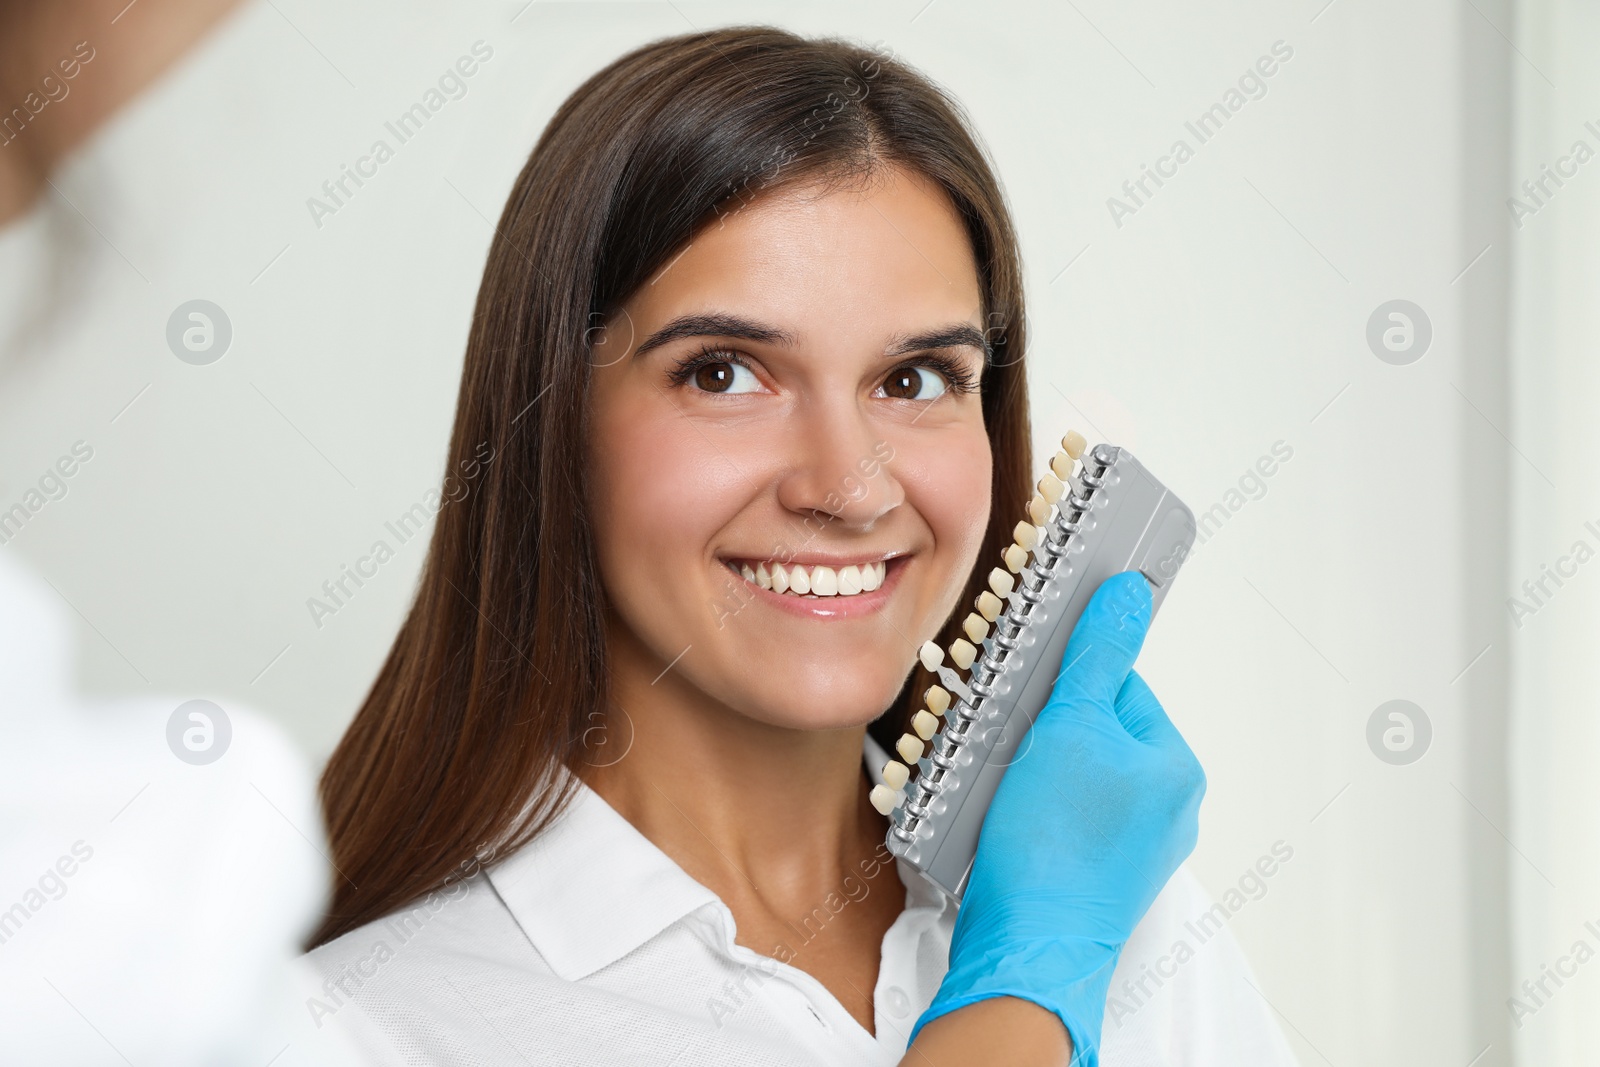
x=960, y=379
x=705, y=355
x=955, y=373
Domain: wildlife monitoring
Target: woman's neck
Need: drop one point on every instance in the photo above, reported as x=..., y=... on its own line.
x=775, y=821
x=724, y=794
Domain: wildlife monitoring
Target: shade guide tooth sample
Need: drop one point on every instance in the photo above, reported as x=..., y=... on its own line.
x=931, y=655
x=910, y=747
x=989, y=605
x=938, y=698
x=1015, y=556
x=1073, y=444
x=885, y=799
x=1039, y=508
x=1001, y=583
x=975, y=628
x=923, y=724
x=895, y=774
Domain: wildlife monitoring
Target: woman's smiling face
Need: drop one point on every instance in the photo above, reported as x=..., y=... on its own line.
x=793, y=401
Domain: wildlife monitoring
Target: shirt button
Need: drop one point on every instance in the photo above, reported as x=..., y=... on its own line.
x=896, y=1001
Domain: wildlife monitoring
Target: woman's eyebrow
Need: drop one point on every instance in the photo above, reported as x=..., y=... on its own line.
x=954, y=335
x=715, y=325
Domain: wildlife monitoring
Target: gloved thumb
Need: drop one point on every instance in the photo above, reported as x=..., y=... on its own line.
x=1142, y=715
x=1105, y=642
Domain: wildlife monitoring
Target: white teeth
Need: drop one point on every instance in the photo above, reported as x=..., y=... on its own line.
x=872, y=575
x=850, y=580
x=824, y=581
x=817, y=580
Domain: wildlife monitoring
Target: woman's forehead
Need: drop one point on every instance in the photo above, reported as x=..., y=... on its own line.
x=888, y=258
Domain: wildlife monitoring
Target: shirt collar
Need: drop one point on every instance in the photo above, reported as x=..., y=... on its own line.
x=591, y=888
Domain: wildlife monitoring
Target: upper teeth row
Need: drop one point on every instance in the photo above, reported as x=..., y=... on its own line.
x=818, y=580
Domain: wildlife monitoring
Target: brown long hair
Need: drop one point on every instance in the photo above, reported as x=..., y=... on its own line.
x=500, y=666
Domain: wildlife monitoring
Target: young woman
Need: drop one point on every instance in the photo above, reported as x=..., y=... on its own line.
x=743, y=409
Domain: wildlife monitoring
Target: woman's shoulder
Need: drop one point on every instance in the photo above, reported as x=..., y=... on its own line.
x=464, y=921
x=403, y=986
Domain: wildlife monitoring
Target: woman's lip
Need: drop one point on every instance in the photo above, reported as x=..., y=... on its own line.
x=831, y=607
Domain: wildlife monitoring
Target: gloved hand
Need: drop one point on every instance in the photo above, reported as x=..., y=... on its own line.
x=1085, y=829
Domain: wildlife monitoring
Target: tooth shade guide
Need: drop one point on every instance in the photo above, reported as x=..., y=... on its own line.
x=924, y=724
x=931, y=655
x=910, y=747
x=938, y=699
x=962, y=653
x=975, y=628
x=1076, y=550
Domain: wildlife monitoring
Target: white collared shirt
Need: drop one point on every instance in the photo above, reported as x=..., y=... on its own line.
x=591, y=946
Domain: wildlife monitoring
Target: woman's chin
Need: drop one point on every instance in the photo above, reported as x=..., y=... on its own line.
x=828, y=707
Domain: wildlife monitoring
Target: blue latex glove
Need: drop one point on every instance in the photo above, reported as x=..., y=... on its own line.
x=1085, y=829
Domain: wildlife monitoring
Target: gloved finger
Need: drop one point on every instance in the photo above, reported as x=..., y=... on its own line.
x=1105, y=642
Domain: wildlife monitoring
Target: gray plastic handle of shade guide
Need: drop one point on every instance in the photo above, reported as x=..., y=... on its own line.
x=1114, y=517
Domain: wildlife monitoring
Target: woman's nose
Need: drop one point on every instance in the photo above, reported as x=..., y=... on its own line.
x=838, y=468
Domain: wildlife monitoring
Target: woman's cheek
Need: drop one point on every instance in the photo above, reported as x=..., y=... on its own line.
x=949, y=480
x=664, y=493
x=680, y=485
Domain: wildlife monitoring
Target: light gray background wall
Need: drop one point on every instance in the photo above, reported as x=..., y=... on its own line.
x=1555, y=735
x=1226, y=315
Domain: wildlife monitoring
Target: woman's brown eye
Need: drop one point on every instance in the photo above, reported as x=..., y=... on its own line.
x=725, y=376
x=714, y=377
x=913, y=383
